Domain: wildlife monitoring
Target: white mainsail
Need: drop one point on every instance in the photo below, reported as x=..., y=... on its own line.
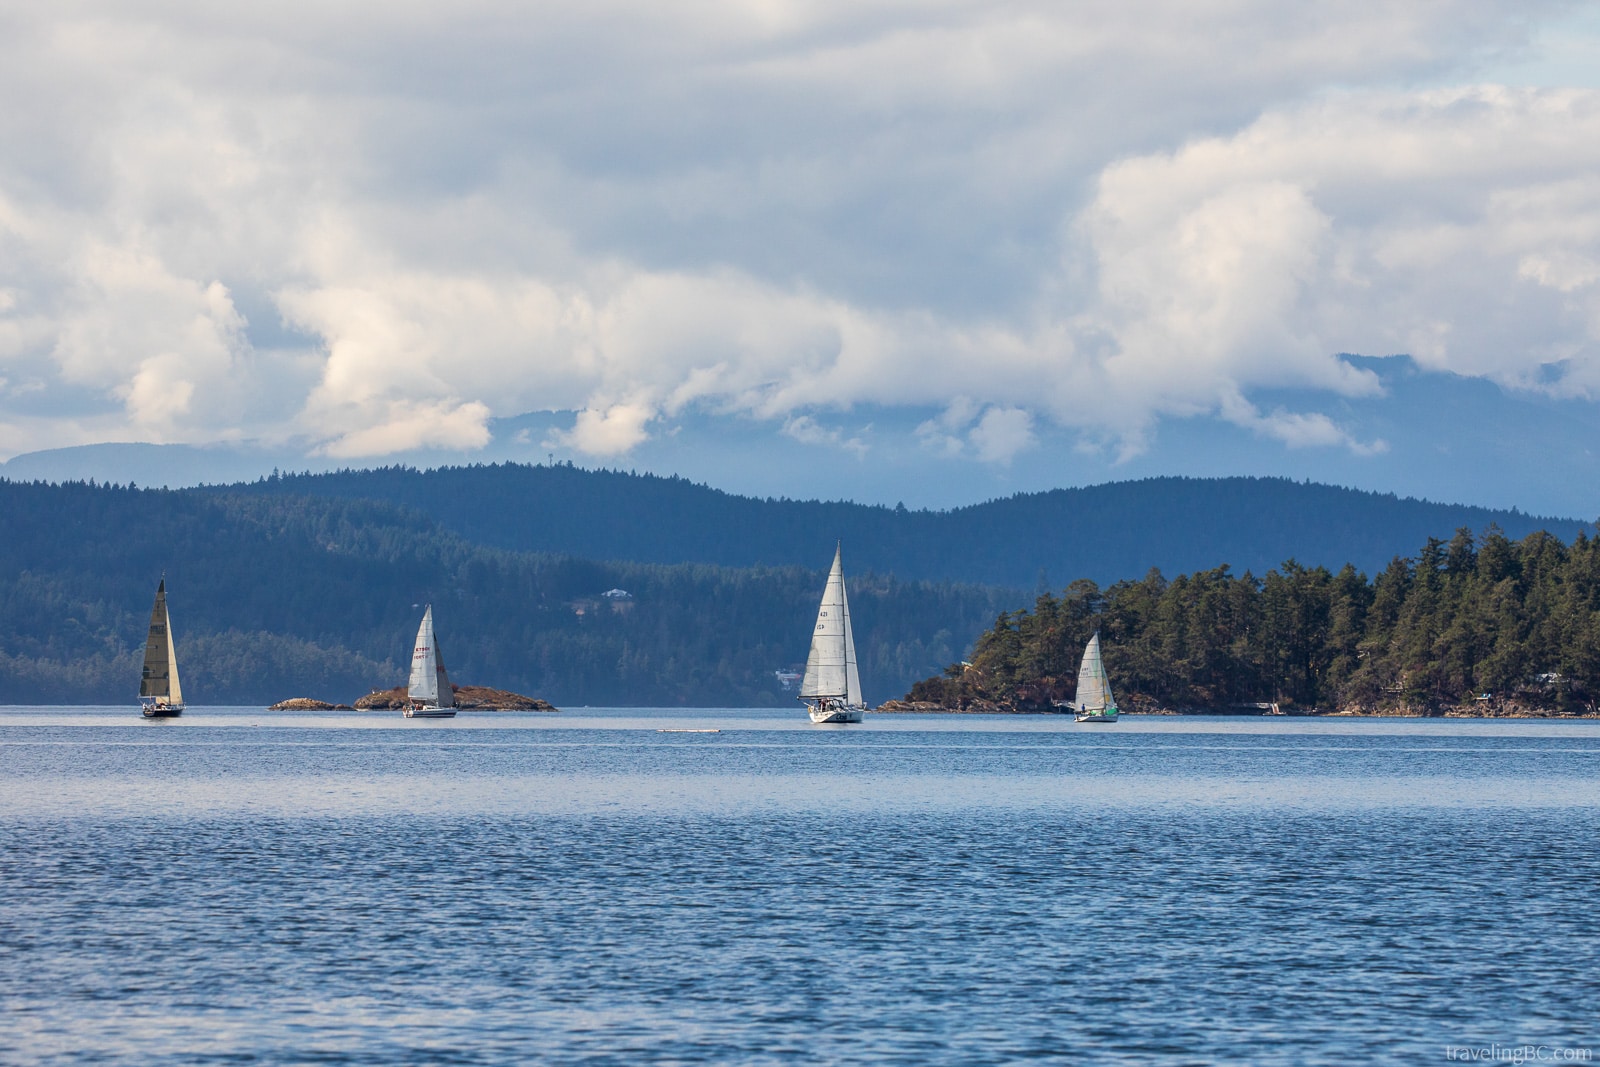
x=429, y=685
x=1094, y=688
x=159, y=680
x=831, y=671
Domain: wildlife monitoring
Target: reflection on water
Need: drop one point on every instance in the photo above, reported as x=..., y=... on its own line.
x=500, y=888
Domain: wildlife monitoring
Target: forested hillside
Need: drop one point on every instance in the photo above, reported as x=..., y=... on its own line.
x=1517, y=620
x=1106, y=532
x=276, y=595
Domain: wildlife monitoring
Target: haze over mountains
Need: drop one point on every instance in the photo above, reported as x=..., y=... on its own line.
x=1426, y=433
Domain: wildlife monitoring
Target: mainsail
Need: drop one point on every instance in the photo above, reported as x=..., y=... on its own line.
x=831, y=668
x=429, y=684
x=1094, y=688
x=160, y=677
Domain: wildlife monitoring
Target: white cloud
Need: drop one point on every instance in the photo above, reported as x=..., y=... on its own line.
x=376, y=228
x=611, y=431
x=1375, y=223
x=992, y=434
x=408, y=425
x=807, y=430
x=1001, y=434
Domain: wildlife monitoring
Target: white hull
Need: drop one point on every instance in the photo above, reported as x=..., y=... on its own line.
x=430, y=713
x=1094, y=717
x=821, y=715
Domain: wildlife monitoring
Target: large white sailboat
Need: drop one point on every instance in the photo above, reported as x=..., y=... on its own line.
x=160, y=692
x=832, y=685
x=429, y=695
x=1094, y=701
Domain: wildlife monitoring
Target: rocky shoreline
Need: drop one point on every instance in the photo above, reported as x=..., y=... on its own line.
x=1506, y=710
x=468, y=698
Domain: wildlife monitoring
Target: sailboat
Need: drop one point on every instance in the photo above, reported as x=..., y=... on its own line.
x=1094, y=700
x=160, y=694
x=832, y=685
x=429, y=693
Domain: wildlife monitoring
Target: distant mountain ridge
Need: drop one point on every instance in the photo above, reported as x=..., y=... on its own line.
x=1105, y=532
x=1443, y=437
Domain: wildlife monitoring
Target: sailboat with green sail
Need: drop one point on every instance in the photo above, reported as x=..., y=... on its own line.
x=160, y=692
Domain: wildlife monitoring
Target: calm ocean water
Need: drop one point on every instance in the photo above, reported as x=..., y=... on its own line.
x=250, y=887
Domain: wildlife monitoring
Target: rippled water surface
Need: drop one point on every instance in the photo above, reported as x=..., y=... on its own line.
x=248, y=887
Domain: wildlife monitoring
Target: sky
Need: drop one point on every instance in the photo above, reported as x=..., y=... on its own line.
x=1043, y=243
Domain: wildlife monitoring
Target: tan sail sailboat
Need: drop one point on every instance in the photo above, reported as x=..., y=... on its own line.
x=160, y=693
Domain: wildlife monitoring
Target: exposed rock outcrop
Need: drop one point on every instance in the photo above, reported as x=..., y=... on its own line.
x=468, y=697
x=307, y=704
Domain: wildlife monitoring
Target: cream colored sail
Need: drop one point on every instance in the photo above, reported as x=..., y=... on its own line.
x=174, y=687
x=1094, y=688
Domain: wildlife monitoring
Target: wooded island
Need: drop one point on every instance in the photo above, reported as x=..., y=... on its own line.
x=1484, y=625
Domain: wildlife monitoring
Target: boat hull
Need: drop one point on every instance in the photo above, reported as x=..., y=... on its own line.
x=1096, y=718
x=162, y=711
x=430, y=713
x=830, y=715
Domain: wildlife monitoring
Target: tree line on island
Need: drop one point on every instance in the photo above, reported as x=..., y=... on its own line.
x=1479, y=624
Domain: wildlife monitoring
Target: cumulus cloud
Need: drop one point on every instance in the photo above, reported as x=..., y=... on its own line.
x=377, y=233
x=609, y=431
x=407, y=425
x=1378, y=223
x=807, y=430
x=992, y=434
x=1002, y=433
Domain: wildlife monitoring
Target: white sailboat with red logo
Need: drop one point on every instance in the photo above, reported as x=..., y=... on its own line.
x=832, y=684
x=429, y=694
